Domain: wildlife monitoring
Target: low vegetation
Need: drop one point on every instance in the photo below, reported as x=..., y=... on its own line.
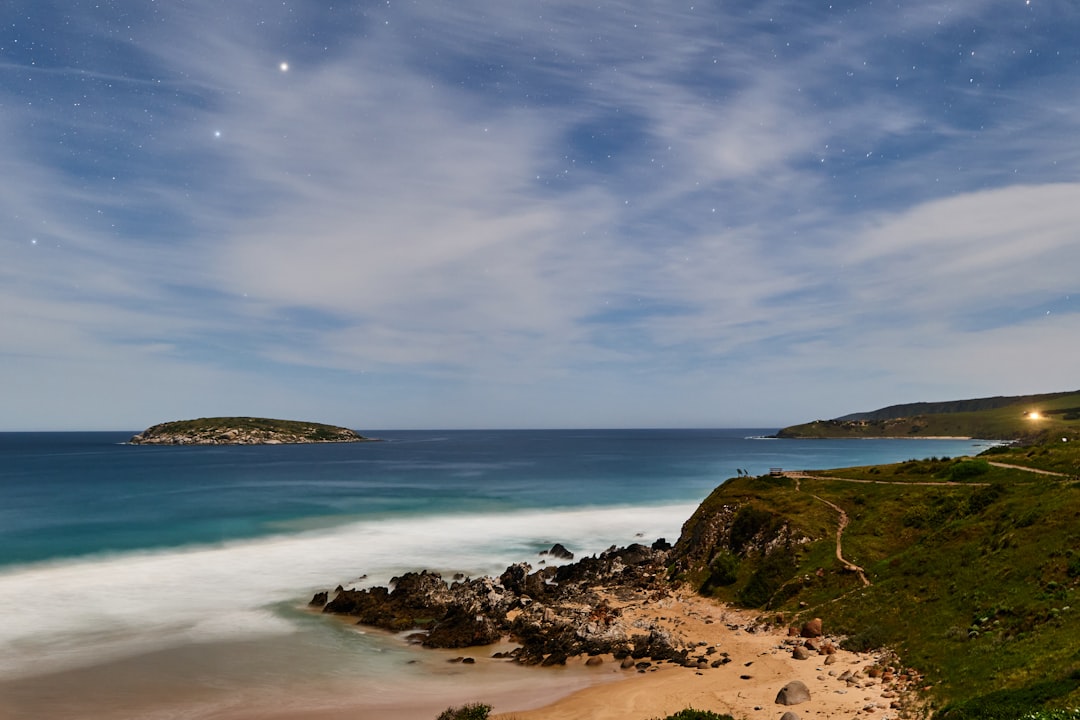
x=242, y=431
x=974, y=568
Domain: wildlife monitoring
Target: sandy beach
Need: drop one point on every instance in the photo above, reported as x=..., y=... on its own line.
x=759, y=663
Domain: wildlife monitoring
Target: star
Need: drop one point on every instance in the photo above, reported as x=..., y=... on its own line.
x=217, y=133
x=284, y=67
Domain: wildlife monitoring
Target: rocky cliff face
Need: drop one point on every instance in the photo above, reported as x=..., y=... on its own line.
x=243, y=431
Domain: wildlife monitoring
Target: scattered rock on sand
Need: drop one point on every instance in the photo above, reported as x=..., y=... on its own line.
x=793, y=693
x=790, y=715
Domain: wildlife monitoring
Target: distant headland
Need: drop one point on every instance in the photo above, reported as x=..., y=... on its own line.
x=993, y=418
x=244, y=431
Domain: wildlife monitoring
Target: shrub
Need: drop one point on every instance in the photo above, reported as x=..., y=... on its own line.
x=724, y=568
x=967, y=469
x=870, y=638
x=747, y=523
x=472, y=711
x=692, y=714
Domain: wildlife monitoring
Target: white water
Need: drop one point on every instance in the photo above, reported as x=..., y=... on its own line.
x=92, y=610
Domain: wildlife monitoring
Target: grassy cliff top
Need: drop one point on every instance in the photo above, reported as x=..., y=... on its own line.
x=996, y=418
x=243, y=431
x=971, y=566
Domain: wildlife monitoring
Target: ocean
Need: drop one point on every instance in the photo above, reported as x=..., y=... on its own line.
x=171, y=582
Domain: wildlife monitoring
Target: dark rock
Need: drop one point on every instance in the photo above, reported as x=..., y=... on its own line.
x=594, y=661
x=558, y=551
x=661, y=544
x=627, y=663
x=461, y=628
x=320, y=599
x=514, y=578
x=790, y=715
x=800, y=653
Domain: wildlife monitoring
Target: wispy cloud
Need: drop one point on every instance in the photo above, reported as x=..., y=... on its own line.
x=555, y=205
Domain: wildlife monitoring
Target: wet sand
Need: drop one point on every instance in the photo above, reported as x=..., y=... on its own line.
x=226, y=681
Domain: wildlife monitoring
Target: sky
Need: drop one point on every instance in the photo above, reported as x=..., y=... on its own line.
x=533, y=214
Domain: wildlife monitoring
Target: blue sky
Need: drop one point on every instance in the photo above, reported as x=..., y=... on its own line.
x=533, y=214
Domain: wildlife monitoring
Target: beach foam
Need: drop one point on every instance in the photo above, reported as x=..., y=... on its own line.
x=87, y=611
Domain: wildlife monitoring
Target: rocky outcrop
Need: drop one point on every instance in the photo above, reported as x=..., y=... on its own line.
x=243, y=431
x=553, y=613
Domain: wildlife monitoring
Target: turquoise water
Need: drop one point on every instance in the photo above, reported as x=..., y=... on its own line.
x=111, y=553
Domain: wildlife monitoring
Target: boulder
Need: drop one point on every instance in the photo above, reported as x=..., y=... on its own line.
x=594, y=661
x=320, y=599
x=812, y=628
x=790, y=715
x=793, y=693
x=800, y=653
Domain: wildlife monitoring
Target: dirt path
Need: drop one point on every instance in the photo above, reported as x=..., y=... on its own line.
x=848, y=565
x=1029, y=469
x=797, y=475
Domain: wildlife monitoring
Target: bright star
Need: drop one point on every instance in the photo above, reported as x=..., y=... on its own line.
x=284, y=67
x=217, y=133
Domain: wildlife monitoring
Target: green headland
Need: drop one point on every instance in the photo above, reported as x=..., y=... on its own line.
x=968, y=568
x=993, y=418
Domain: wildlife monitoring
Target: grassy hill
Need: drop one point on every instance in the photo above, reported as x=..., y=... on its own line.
x=973, y=568
x=996, y=418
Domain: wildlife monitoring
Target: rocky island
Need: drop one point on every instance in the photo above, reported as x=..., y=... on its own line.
x=243, y=431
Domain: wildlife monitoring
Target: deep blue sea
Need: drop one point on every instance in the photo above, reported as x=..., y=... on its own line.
x=126, y=568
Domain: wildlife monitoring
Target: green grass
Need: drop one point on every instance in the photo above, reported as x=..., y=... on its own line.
x=976, y=584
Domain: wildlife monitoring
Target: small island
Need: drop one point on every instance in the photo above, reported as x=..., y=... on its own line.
x=243, y=431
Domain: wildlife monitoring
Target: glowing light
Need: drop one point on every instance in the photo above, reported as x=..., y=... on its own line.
x=284, y=67
x=1034, y=415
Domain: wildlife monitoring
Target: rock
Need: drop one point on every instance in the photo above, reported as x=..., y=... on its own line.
x=811, y=629
x=559, y=551
x=627, y=663
x=830, y=659
x=320, y=599
x=793, y=693
x=790, y=715
x=513, y=579
x=594, y=661
x=462, y=628
x=661, y=544
x=800, y=653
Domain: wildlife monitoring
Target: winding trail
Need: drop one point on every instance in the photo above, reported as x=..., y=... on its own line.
x=799, y=475
x=843, y=522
